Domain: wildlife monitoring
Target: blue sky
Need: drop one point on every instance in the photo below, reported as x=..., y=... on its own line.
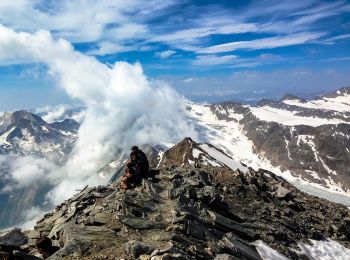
x=206, y=50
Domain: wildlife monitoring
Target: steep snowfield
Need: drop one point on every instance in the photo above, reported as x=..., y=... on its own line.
x=221, y=157
x=285, y=117
x=229, y=137
x=340, y=103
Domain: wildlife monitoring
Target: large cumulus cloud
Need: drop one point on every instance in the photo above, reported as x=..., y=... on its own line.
x=123, y=106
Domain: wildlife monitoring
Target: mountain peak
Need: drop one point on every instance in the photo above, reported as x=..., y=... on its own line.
x=292, y=97
x=189, y=152
x=192, y=212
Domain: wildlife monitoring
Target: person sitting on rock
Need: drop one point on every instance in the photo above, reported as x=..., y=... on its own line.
x=132, y=172
x=45, y=247
x=143, y=161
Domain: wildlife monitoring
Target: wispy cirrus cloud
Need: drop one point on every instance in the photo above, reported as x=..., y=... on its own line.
x=165, y=54
x=264, y=43
x=213, y=59
x=94, y=21
x=107, y=47
x=332, y=40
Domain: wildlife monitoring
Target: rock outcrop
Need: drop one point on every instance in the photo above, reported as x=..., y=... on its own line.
x=191, y=211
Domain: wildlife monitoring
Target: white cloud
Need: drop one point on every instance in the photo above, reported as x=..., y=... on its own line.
x=80, y=20
x=338, y=59
x=213, y=59
x=165, y=54
x=31, y=216
x=216, y=93
x=188, y=80
x=105, y=48
x=123, y=107
x=193, y=34
x=127, y=31
x=332, y=40
x=264, y=43
x=28, y=170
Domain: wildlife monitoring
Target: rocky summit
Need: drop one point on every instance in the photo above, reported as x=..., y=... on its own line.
x=189, y=211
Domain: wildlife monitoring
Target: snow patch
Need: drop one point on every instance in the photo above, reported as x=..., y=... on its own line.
x=3, y=137
x=339, y=103
x=287, y=143
x=44, y=128
x=285, y=117
x=313, y=174
x=325, y=166
x=196, y=153
x=325, y=250
x=221, y=157
x=268, y=253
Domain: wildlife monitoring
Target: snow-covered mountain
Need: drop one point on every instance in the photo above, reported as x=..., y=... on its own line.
x=24, y=133
x=29, y=146
x=302, y=140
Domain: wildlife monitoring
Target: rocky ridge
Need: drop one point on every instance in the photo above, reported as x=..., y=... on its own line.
x=191, y=211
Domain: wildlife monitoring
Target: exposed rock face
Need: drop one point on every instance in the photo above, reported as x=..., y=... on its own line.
x=192, y=212
x=317, y=153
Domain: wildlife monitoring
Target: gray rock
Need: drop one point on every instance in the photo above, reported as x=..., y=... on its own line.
x=282, y=192
x=13, y=237
x=239, y=248
x=225, y=257
x=168, y=256
x=136, y=248
x=140, y=223
x=230, y=225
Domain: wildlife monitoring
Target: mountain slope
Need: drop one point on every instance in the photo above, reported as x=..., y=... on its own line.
x=196, y=211
x=306, y=140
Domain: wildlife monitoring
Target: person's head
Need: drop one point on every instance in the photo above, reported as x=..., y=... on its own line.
x=133, y=155
x=134, y=148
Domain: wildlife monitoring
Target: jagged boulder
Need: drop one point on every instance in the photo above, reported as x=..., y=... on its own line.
x=13, y=237
x=11, y=243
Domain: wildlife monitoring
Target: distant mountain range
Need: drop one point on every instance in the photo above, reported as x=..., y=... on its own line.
x=306, y=141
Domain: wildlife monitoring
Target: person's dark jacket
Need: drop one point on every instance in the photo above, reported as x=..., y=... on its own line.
x=143, y=162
